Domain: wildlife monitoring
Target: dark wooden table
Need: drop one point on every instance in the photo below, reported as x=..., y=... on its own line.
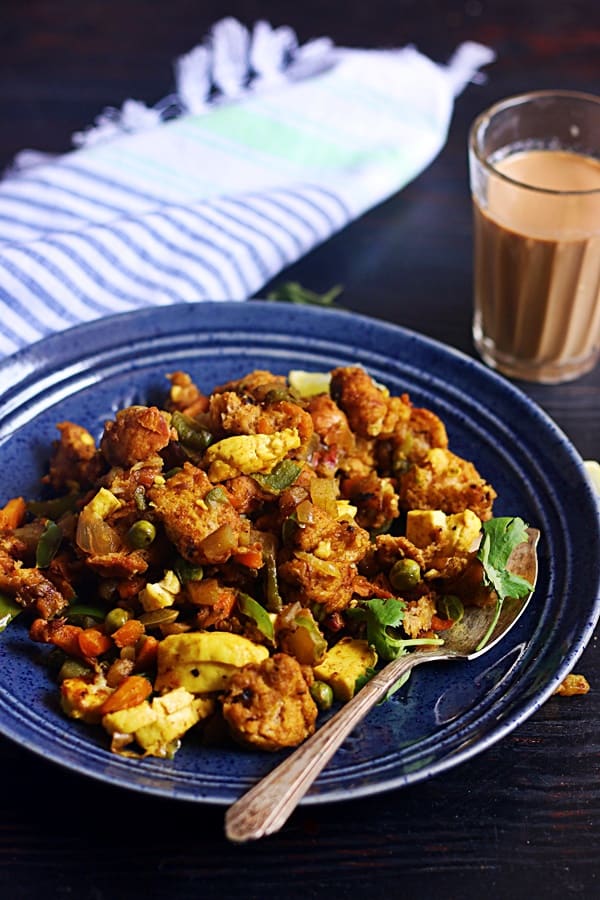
x=521, y=820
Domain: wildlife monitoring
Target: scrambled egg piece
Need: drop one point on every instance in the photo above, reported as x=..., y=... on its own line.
x=418, y=616
x=81, y=699
x=446, y=541
x=160, y=594
x=157, y=726
x=346, y=661
x=442, y=480
x=346, y=512
x=245, y=454
x=455, y=534
x=203, y=662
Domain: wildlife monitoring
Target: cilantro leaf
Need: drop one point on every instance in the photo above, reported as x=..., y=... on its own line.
x=9, y=610
x=293, y=292
x=500, y=536
x=379, y=615
x=362, y=679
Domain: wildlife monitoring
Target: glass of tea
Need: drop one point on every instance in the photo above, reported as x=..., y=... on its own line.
x=534, y=163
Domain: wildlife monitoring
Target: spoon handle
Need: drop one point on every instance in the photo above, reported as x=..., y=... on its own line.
x=268, y=805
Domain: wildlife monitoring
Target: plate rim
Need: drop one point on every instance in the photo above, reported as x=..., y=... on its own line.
x=27, y=361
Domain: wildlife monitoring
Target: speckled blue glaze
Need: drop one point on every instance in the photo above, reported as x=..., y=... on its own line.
x=447, y=712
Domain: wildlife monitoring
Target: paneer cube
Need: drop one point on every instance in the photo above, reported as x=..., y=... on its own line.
x=103, y=503
x=343, y=664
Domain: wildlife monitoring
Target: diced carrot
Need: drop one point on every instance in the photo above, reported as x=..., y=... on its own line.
x=130, y=587
x=439, y=624
x=118, y=671
x=250, y=557
x=218, y=610
x=93, y=642
x=66, y=638
x=128, y=634
x=12, y=514
x=145, y=653
x=131, y=692
x=199, y=405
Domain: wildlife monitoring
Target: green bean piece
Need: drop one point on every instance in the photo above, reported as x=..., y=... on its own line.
x=289, y=528
x=141, y=534
x=294, y=292
x=250, y=607
x=48, y=545
x=9, y=610
x=281, y=477
x=84, y=610
x=308, y=622
x=116, y=618
x=322, y=694
x=216, y=495
x=274, y=601
x=451, y=607
x=190, y=432
x=54, y=508
x=405, y=574
x=319, y=612
x=187, y=571
x=72, y=668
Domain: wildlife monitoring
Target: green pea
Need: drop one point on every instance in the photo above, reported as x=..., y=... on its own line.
x=322, y=694
x=277, y=395
x=141, y=534
x=115, y=618
x=405, y=574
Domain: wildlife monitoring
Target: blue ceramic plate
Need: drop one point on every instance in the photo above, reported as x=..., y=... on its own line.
x=447, y=712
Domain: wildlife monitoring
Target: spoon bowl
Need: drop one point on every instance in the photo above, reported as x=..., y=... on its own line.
x=267, y=806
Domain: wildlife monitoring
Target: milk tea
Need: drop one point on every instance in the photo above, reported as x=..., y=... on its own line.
x=537, y=263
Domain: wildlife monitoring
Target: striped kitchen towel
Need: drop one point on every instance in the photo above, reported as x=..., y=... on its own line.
x=265, y=150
